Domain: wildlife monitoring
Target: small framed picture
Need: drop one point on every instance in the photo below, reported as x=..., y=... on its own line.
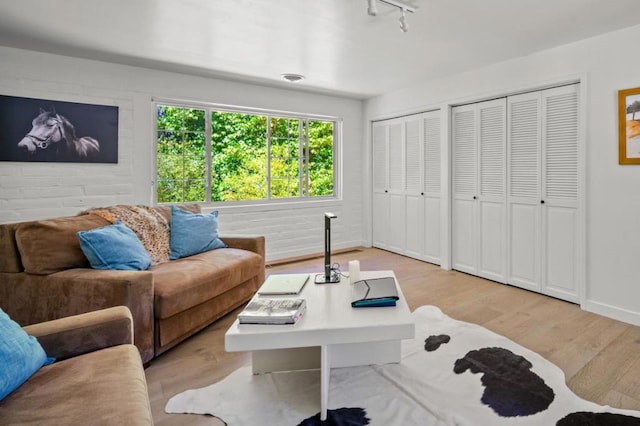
x=629, y=126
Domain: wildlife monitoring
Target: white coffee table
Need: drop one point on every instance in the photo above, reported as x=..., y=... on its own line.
x=330, y=334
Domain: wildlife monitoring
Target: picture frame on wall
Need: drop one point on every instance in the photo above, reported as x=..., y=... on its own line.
x=45, y=130
x=629, y=126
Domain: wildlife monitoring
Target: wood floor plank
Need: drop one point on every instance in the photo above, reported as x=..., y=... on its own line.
x=599, y=356
x=609, y=366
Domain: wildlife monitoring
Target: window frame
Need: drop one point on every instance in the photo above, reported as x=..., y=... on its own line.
x=303, y=178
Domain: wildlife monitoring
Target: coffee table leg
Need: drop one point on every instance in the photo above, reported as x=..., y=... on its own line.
x=325, y=373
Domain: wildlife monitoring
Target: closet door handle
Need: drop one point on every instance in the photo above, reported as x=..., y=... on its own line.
x=475, y=198
x=541, y=201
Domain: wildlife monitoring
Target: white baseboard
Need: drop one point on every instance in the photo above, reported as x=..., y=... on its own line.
x=274, y=255
x=619, y=314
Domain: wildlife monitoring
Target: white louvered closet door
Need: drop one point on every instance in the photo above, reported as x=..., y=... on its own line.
x=432, y=187
x=397, y=205
x=560, y=238
x=543, y=205
x=406, y=185
x=523, y=200
x=491, y=202
x=463, y=205
x=479, y=207
x=380, y=196
x=413, y=184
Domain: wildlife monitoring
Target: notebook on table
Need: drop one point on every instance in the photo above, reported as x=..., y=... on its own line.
x=374, y=293
x=283, y=284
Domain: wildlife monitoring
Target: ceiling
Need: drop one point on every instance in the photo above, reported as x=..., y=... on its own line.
x=334, y=43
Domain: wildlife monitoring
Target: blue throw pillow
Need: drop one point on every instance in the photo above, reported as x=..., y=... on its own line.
x=114, y=247
x=20, y=355
x=193, y=233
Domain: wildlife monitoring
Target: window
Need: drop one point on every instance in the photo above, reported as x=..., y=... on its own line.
x=213, y=155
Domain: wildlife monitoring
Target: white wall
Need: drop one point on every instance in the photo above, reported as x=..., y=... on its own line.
x=604, y=65
x=42, y=190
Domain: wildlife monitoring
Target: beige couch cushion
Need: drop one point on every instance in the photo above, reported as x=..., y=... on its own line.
x=106, y=387
x=184, y=283
x=48, y=246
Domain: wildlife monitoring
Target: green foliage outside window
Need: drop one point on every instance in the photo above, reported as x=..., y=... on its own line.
x=181, y=154
x=299, y=162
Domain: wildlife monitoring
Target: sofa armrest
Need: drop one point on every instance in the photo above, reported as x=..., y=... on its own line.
x=31, y=299
x=78, y=334
x=246, y=242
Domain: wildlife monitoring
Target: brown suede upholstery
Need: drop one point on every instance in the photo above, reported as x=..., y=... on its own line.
x=30, y=299
x=79, y=334
x=105, y=386
x=9, y=255
x=44, y=275
x=185, y=283
x=49, y=246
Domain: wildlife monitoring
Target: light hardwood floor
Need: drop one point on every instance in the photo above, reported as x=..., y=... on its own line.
x=599, y=356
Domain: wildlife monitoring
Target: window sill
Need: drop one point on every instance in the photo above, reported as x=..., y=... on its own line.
x=273, y=206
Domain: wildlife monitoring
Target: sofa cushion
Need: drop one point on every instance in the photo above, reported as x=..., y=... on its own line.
x=48, y=246
x=106, y=386
x=114, y=247
x=184, y=283
x=193, y=233
x=20, y=355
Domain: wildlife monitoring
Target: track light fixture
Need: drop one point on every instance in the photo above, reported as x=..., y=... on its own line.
x=404, y=27
x=372, y=10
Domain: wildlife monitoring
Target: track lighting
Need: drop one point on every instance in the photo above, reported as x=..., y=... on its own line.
x=372, y=10
x=404, y=27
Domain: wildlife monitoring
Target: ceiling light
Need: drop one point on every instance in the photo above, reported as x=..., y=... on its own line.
x=404, y=27
x=373, y=8
x=292, y=78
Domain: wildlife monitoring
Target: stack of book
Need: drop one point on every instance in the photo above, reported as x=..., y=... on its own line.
x=272, y=311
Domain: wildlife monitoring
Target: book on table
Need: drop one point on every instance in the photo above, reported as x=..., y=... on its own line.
x=283, y=284
x=272, y=311
x=373, y=293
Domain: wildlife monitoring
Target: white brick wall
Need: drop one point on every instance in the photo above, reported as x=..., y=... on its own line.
x=42, y=190
x=294, y=231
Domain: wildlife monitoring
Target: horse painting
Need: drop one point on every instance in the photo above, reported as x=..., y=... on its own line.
x=53, y=134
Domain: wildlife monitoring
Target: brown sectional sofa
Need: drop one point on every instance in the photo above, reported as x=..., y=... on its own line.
x=97, y=378
x=44, y=275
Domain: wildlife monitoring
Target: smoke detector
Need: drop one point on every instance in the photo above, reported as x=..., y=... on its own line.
x=292, y=78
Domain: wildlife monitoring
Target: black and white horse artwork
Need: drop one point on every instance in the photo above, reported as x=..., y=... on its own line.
x=52, y=132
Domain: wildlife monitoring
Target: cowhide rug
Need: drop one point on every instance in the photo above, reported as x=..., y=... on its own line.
x=452, y=373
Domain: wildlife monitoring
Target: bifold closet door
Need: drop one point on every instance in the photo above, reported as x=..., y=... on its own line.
x=388, y=199
x=524, y=119
x=413, y=184
x=560, y=218
x=396, y=238
x=479, y=199
x=543, y=192
x=492, y=257
x=406, y=185
x=380, y=196
x=431, y=188
x=422, y=186
x=464, y=207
